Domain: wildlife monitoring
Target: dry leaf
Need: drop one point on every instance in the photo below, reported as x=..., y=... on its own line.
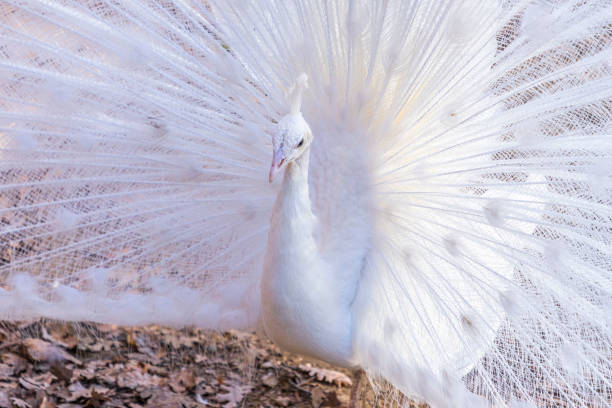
x=40, y=350
x=17, y=363
x=331, y=400
x=282, y=401
x=78, y=391
x=4, y=399
x=62, y=335
x=270, y=380
x=166, y=399
x=133, y=378
x=317, y=397
x=39, y=382
x=107, y=328
x=91, y=370
x=326, y=375
x=269, y=364
x=234, y=392
x=45, y=403
x=185, y=380
x=97, y=398
x=19, y=403
x=95, y=392
x=240, y=335
x=6, y=371
x=62, y=372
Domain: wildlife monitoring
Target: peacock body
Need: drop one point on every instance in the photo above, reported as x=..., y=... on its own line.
x=443, y=217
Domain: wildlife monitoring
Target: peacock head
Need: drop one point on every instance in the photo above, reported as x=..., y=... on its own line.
x=293, y=135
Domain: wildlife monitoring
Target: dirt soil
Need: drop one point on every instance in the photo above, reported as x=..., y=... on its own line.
x=47, y=364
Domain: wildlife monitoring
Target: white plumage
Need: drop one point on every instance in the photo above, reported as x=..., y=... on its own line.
x=444, y=217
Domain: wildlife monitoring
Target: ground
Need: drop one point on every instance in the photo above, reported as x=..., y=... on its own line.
x=59, y=365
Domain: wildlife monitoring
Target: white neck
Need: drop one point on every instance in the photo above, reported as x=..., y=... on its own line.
x=302, y=308
x=292, y=224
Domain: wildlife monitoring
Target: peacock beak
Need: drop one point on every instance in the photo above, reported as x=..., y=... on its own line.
x=277, y=162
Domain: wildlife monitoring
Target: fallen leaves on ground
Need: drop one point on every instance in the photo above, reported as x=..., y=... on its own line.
x=58, y=365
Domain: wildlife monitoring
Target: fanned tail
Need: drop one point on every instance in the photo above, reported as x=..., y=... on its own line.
x=132, y=166
x=462, y=149
x=491, y=263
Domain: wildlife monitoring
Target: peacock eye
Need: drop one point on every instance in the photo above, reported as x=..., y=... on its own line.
x=301, y=143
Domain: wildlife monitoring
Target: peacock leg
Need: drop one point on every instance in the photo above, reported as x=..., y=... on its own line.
x=355, y=389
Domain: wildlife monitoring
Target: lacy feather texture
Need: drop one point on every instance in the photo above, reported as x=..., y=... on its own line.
x=442, y=213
